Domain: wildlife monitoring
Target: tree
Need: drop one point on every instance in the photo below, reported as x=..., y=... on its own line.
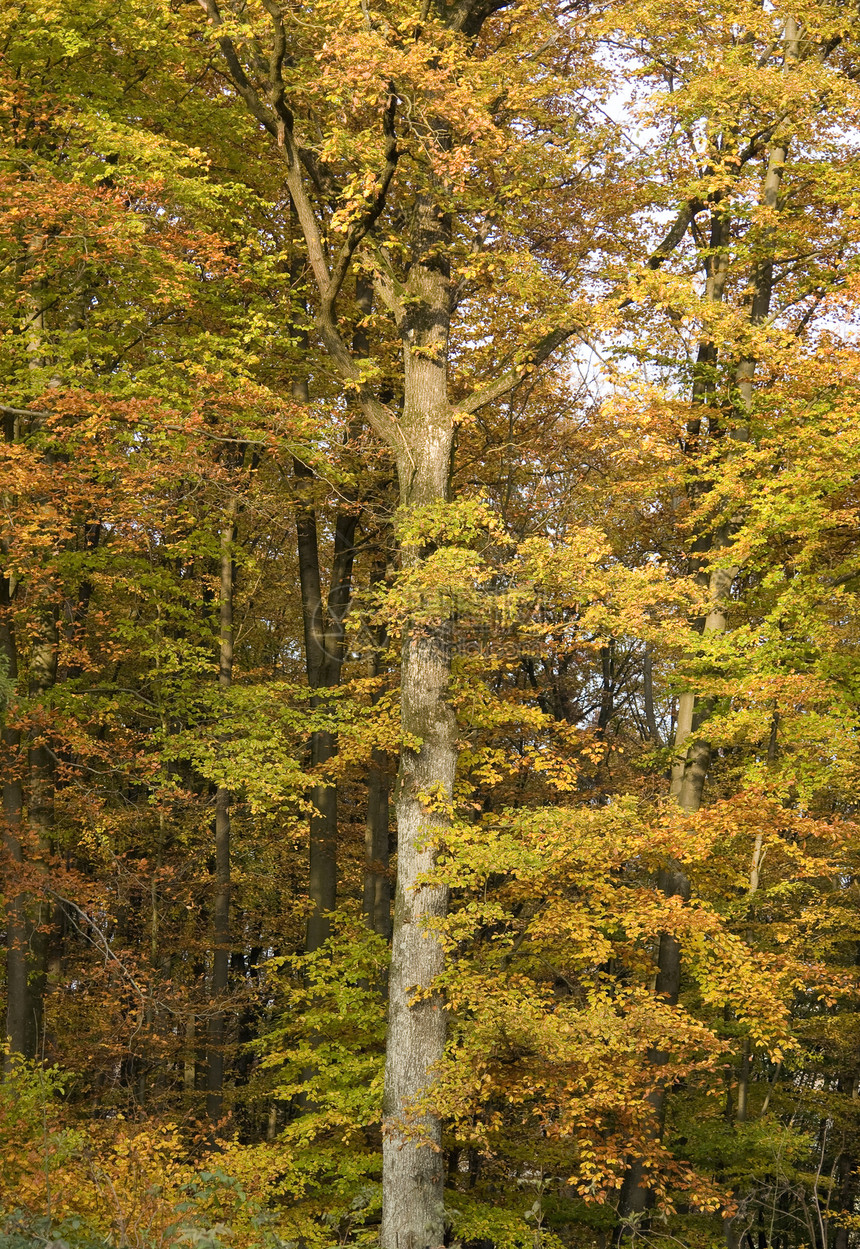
x=413, y=82
x=609, y=360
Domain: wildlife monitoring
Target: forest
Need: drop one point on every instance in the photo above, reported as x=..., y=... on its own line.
x=430, y=624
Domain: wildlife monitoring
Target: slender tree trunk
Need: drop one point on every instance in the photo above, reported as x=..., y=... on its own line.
x=607, y=693
x=21, y=1032
x=847, y=1186
x=322, y=884
x=322, y=855
x=324, y=649
x=690, y=767
x=26, y=944
x=40, y=804
x=693, y=764
x=32, y=917
x=413, y=1173
x=221, y=927
x=325, y=639
x=189, y=1055
x=26, y=917
x=377, y=886
x=635, y=1193
x=648, y=696
x=21, y=1013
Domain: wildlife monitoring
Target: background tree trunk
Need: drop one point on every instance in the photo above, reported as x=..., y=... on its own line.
x=221, y=924
x=377, y=887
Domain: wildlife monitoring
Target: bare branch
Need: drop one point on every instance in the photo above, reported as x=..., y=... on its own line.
x=675, y=234
x=41, y=416
x=671, y=239
x=535, y=356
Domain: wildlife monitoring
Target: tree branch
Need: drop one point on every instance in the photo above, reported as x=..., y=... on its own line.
x=468, y=16
x=278, y=120
x=42, y=416
x=535, y=356
x=240, y=79
x=671, y=239
x=359, y=229
x=386, y=286
x=675, y=234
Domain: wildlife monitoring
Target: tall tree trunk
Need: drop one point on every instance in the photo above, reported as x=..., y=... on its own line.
x=648, y=697
x=635, y=1192
x=27, y=917
x=221, y=926
x=40, y=803
x=412, y=1166
x=21, y=1012
x=376, y=900
x=322, y=854
x=325, y=639
x=377, y=887
x=26, y=964
x=847, y=1186
x=607, y=693
x=689, y=769
x=20, y=1031
x=413, y=1173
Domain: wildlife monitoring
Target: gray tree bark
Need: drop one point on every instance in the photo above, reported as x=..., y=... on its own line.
x=413, y=1174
